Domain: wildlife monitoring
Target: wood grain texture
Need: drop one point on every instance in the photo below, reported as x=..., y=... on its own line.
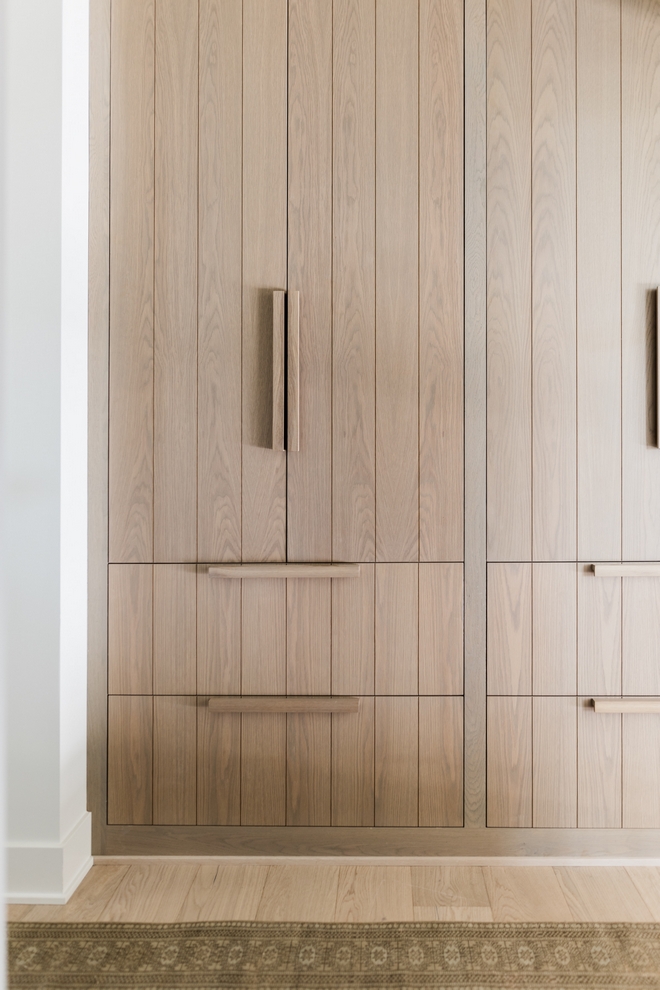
x=640, y=240
x=175, y=760
x=374, y=895
x=509, y=782
x=599, y=768
x=88, y=901
x=641, y=771
x=397, y=629
x=554, y=386
x=646, y=882
x=625, y=706
x=130, y=596
x=308, y=760
x=218, y=767
x=219, y=280
x=397, y=272
x=554, y=639
x=525, y=894
x=225, y=892
x=293, y=371
x=238, y=572
x=264, y=269
x=599, y=634
x=441, y=762
x=637, y=569
x=219, y=635
x=641, y=632
x=354, y=281
x=263, y=770
x=599, y=278
x=175, y=283
x=151, y=894
x=97, y=417
x=509, y=628
x=308, y=632
x=353, y=633
x=554, y=784
x=455, y=893
x=309, y=477
x=603, y=895
x=396, y=750
x=441, y=629
x=475, y=250
x=312, y=704
x=175, y=629
x=441, y=280
x=297, y=892
x=263, y=668
x=279, y=352
x=353, y=766
x=130, y=735
x=509, y=280
x=131, y=426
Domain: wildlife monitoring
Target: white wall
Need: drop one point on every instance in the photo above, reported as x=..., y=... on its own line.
x=43, y=414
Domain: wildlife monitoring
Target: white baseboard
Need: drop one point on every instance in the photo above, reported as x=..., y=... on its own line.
x=380, y=860
x=48, y=873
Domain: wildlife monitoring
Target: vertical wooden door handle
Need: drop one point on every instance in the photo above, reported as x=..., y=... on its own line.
x=293, y=371
x=657, y=367
x=278, y=369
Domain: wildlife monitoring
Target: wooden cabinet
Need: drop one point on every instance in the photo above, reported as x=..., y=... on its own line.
x=308, y=147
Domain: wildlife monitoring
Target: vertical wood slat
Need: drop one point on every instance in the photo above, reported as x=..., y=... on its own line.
x=440, y=629
x=396, y=746
x=396, y=633
x=218, y=767
x=599, y=768
x=220, y=291
x=175, y=760
x=509, y=629
x=555, y=785
x=641, y=635
x=219, y=635
x=509, y=280
x=397, y=316
x=263, y=769
x=599, y=634
x=353, y=766
x=554, y=279
x=130, y=651
x=308, y=759
x=509, y=780
x=353, y=634
x=441, y=280
x=309, y=482
x=354, y=280
x=175, y=283
x=641, y=771
x=131, y=436
x=554, y=639
x=175, y=633
x=599, y=282
x=264, y=269
x=640, y=189
x=441, y=762
x=130, y=738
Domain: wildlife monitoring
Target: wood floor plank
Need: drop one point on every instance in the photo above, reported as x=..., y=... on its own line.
x=374, y=893
x=525, y=893
x=151, y=894
x=299, y=893
x=87, y=903
x=594, y=894
x=225, y=893
x=647, y=882
x=450, y=893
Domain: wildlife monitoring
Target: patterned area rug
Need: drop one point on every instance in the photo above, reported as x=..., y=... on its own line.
x=247, y=954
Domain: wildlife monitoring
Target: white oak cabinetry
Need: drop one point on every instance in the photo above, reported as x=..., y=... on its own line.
x=264, y=152
x=573, y=458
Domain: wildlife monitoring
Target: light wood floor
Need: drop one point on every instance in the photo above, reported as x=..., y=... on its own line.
x=164, y=892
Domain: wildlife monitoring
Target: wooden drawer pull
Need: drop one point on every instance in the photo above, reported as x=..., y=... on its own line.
x=627, y=706
x=300, y=705
x=293, y=370
x=285, y=570
x=278, y=369
x=627, y=570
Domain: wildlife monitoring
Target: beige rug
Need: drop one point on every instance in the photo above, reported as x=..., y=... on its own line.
x=253, y=954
